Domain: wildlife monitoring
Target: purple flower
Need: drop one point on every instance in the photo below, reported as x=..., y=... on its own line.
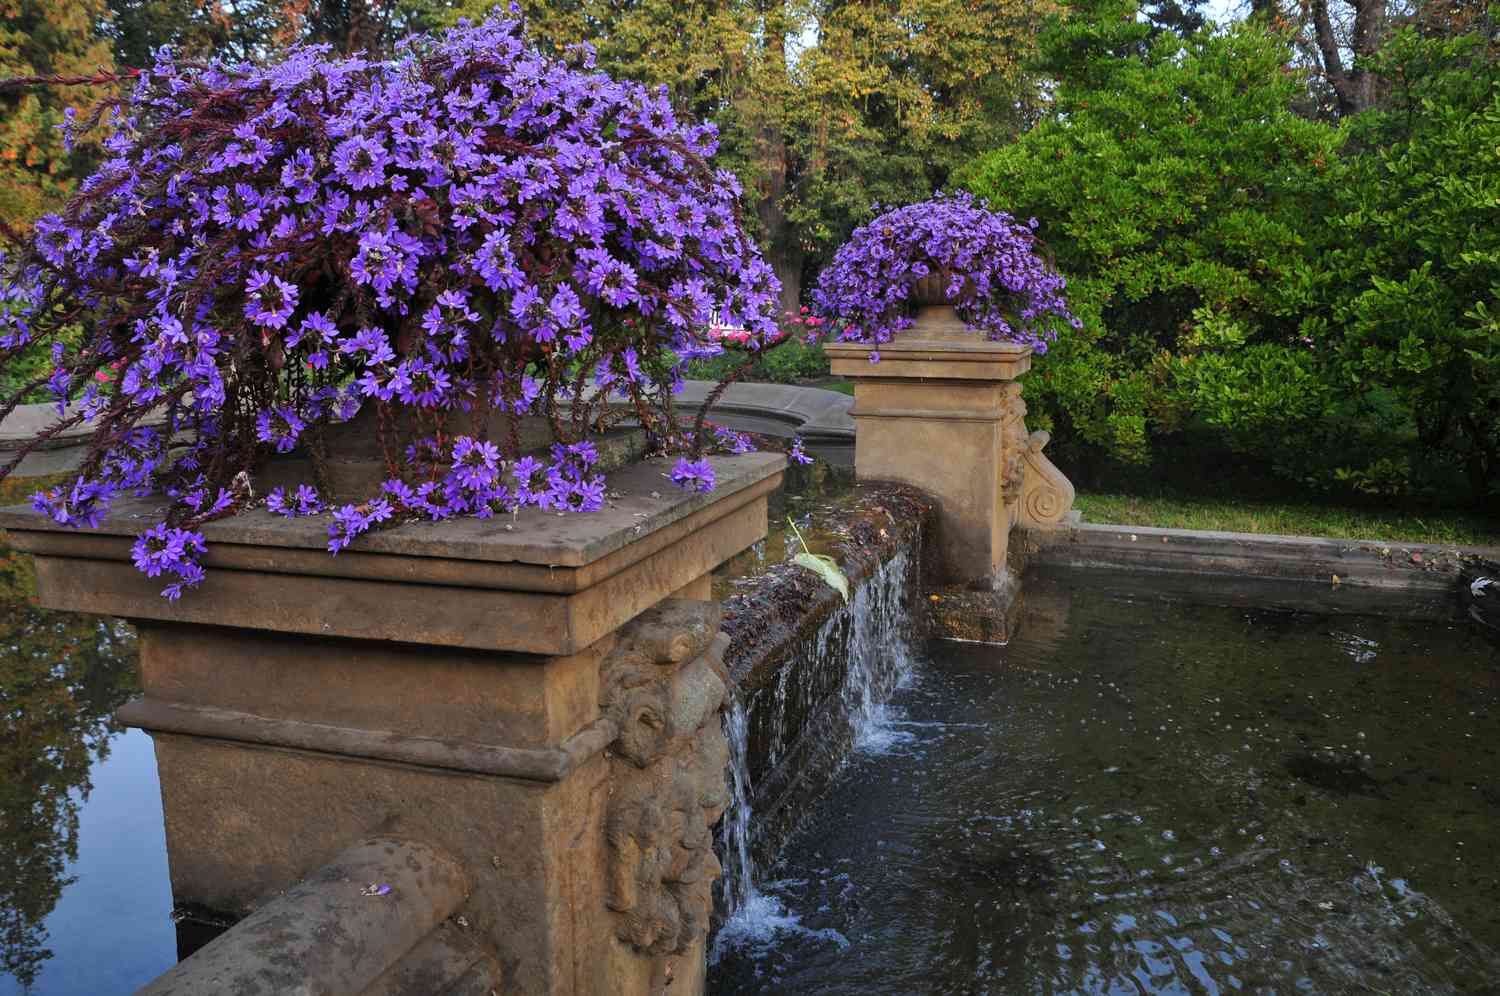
x=572, y=495
x=280, y=426
x=165, y=549
x=269, y=300
x=351, y=521
x=476, y=464
x=477, y=222
x=531, y=480
x=304, y=502
x=360, y=161
x=370, y=342
x=796, y=454
x=84, y=504
x=734, y=442
x=576, y=456
x=697, y=476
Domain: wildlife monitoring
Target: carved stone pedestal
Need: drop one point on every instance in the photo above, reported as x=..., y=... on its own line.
x=531, y=702
x=942, y=410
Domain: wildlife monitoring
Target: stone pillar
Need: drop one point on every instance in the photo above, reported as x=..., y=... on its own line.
x=526, y=697
x=942, y=411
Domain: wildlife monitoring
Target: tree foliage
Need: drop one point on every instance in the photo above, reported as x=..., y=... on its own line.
x=43, y=38
x=1410, y=278
x=824, y=108
x=1316, y=300
x=1173, y=187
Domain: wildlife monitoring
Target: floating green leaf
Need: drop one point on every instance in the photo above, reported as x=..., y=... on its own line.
x=823, y=566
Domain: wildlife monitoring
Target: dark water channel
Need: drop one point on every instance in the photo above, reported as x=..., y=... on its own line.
x=1142, y=794
x=85, y=902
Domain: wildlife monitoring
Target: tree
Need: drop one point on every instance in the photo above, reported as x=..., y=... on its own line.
x=43, y=38
x=1183, y=19
x=824, y=108
x=197, y=29
x=1410, y=277
x=1176, y=189
x=249, y=30
x=1338, y=41
x=1341, y=40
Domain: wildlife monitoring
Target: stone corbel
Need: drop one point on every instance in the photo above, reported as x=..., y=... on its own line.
x=1046, y=495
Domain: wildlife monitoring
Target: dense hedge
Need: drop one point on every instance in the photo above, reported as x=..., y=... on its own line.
x=1314, y=301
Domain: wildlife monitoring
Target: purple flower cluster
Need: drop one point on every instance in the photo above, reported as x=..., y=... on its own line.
x=304, y=502
x=165, y=549
x=469, y=228
x=697, y=475
x=1002, y=288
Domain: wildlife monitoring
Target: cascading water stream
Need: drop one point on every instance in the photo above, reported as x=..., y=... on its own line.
x=739, y=866
x=869, y=640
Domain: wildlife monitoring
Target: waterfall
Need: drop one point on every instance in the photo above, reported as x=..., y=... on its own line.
x=863, y=649
x=739, y=866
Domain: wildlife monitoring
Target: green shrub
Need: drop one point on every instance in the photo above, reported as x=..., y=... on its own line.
x=1318, y=301
x=1410, y=282
x=787, y=363
x=1174, y=185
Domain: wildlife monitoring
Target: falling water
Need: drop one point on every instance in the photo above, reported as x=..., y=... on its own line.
x=739, y=867
x=869, y=642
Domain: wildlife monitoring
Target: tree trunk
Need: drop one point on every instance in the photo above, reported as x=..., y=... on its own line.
x=783, y=248
x=1355, y=86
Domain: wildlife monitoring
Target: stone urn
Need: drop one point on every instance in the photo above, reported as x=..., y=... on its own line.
x=936, y=316
x=354, y=464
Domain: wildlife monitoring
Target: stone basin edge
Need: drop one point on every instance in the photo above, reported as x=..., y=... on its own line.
x=642, y=500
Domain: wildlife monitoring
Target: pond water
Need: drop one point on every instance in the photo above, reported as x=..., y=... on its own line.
x=1142, y=794
x=85, y=904
x=1138, y=795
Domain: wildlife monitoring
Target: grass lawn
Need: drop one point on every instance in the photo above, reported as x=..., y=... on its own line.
x=1292, y=519
x=830, y=384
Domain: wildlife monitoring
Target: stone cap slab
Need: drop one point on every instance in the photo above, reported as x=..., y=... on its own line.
x=931, y=356
x=815, y=414
x=642, y=500
x=1410, y=567
x=551, y=585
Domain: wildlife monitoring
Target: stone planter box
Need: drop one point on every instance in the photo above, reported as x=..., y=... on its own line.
x=532, y=701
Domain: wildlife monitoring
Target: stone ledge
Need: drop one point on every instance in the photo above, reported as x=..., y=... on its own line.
x=912, y=355
x=818, y=416
x=539, y=764
x=643, y=500
x=1372, y=563
x=552, y=586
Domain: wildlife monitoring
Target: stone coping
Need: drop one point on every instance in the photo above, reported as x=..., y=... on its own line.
x=467, y=583
x=27, y=421
x=539, y=764
x=642, y=500
x=1371, y=563
x=819, y=416
x=815, y=414
x=929, y=356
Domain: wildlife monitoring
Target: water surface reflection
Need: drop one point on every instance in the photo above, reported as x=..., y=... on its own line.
x=1142, y=795
x=61, y=677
